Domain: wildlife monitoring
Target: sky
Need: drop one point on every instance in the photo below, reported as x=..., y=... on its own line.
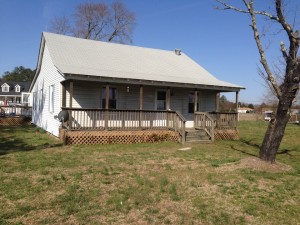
x=220, y=41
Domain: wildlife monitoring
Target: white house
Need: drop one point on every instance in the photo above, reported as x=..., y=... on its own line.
x=76, y=74
x=245, y=110
x=13, y=92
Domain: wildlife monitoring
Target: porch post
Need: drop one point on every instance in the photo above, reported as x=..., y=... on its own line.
x=237, y=104
x=195, y=101
x=168, y=98
x=64, y=95
x=168, y=105
x=141, y=106
x=141, y=97
x=70, y=103
x=217, y=101
x=106, y=105
x=195, y=106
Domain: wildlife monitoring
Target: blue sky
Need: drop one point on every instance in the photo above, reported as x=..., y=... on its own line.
x=220, y=41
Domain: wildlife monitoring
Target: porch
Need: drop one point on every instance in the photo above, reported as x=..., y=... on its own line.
x=141, y=113
x=104, y=126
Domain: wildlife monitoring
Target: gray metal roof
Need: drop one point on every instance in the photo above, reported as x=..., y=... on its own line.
x=24, y=87
x=95, y=58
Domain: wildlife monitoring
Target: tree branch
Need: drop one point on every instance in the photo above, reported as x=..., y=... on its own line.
x=283, y=50
x=263, y=13
x=263, y=60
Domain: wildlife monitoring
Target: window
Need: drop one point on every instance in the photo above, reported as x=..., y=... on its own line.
x=112, y=104
x=161, y=100
x=34, y=101
x=25, y=98
x=5, y=87
x=192, y=103
x=17, y=88
x=40, y=99
x=51, y=98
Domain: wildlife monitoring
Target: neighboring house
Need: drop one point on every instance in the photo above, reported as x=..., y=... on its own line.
x=245, y=110
x=97, y=82
x=14, y=93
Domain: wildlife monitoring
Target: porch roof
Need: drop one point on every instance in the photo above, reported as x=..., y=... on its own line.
x=76, y=56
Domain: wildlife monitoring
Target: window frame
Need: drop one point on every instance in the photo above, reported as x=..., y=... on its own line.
x=5, y=87
x=17, y=88
x=51, y=98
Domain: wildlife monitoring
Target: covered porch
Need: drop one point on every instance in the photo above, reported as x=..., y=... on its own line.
x=102, y=110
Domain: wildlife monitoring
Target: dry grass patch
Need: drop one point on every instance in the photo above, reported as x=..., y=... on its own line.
x=149, y=183
x=255, y=164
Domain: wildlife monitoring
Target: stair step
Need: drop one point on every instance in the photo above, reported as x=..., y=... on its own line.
x=199, y=141
x=197, y=136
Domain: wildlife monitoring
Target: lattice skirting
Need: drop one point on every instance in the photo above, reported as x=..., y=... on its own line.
x=15, y=121
x=117, y=137
x=227, y=134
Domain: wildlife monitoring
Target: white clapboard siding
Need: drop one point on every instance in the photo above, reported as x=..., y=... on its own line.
x=48, y=76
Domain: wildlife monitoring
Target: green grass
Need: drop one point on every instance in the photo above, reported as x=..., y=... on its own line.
x=43, y=182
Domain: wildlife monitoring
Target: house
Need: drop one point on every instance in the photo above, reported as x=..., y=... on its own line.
x=119, y=88
x=14, y=93
x=245, y=110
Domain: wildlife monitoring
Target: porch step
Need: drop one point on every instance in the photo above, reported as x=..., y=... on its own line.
x=197, y=136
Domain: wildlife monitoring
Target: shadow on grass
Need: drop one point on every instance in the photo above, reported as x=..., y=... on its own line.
x=10, y=142
x=256, y=146
x=249, y=143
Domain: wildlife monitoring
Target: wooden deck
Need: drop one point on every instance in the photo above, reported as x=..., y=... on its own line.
x=87, y=126
x=15, y=115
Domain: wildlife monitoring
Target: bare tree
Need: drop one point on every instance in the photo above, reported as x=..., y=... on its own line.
x=286, y=90
x=61, y=25
x=98, y=21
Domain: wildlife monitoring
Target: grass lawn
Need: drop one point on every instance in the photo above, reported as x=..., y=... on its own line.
x=43, y=182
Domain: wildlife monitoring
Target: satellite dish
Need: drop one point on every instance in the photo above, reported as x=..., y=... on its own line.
x=63, y=116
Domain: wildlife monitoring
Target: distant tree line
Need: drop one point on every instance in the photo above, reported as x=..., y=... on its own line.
x=19, y=73
x=227, y=106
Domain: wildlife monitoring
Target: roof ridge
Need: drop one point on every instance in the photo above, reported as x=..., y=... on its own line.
x=112, y=43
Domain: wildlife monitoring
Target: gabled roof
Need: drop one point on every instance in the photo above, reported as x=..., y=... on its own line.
x=24, y=87
x=78, y=56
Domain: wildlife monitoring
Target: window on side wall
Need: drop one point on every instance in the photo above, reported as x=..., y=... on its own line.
x=51, y=98
x=40, y=99
x=34, y=101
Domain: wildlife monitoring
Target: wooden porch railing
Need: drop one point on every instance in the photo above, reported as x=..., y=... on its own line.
x=205, y=122
x=224, y=121
x=215, y=120
x=115, y=119
x=18, y=111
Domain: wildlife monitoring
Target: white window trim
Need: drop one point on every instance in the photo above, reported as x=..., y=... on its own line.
x=17, y=88
x=22, y=97
x=51, y=98
x=5, y=87
x=34, y=100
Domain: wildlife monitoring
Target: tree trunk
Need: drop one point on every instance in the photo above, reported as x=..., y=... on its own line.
x=277, y=125
x=274, y=134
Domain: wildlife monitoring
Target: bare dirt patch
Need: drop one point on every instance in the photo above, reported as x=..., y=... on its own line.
x=256, y=164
